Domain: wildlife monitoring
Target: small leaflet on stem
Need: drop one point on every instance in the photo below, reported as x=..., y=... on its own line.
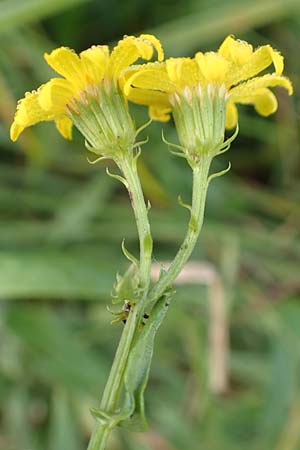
x=129, y=255
x=184, y=205
x=219, y=174
x=117, y=177
x=170, y=144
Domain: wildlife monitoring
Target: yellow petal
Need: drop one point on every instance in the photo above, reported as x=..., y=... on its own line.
x=15, y=131
x=160, y=113
x=264, y=101
x=174, y=66
x=249, y=87
x=54, y=95
x=129, y=50
x=183, y=72
x=156, y=44
x=231, y=115
x=29, y=112
x=148, y=97
x=67, y=63
x=262, y=58
x=95, y=61
x=277, y=60
x=64, y=126
x=150, y=76
x=235, y=50
x=212, y=66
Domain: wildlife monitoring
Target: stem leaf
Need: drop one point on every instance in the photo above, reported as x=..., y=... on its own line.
x=138, y=366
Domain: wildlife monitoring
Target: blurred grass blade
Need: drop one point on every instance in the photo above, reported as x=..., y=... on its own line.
x=43, y=274
x=14, y=13
x=78, y=209
x=63, y=430
x=55, y=352
x=213, y=22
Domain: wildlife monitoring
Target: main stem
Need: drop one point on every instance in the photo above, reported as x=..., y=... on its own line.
x=200, y=185
x=111, y=395
x=113, y=386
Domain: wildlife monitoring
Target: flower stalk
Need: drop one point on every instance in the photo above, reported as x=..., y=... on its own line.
x=200, y=186
x=128, y=167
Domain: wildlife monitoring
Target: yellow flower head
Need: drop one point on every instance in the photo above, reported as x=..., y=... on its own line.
x=202, y=92
x=234, y=65
x=93, y=74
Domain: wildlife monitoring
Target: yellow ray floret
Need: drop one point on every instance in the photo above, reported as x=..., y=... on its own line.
x=82, y=75
x=235, y=65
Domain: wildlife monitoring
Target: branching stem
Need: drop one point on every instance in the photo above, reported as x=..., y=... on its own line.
x=110, y=404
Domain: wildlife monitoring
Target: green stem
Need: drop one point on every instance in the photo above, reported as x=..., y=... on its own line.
x=129, y=169
x=113, y=386
x=111, y=395
x=112, y=391
x=200, y=185
x=99, y=437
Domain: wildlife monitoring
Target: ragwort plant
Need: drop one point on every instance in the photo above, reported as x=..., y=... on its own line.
x=201, y=94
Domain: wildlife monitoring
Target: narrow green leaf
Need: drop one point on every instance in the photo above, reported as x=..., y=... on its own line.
x=138, y=368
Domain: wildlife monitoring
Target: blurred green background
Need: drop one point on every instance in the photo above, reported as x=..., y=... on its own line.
x=62, y=221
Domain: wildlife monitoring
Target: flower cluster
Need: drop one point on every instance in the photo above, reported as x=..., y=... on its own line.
x=200, y=92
